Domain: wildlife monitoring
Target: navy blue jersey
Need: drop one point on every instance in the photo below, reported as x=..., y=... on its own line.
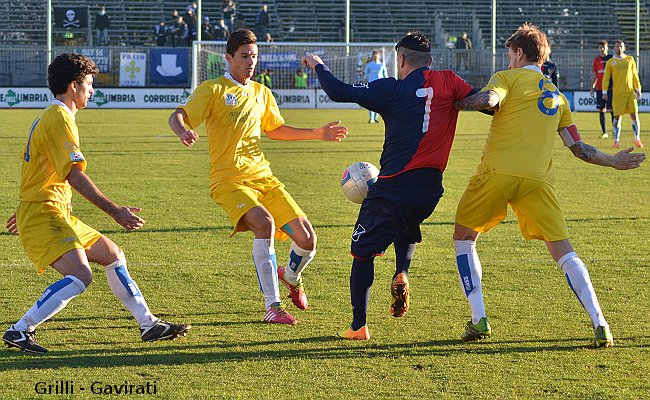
x=418, y=111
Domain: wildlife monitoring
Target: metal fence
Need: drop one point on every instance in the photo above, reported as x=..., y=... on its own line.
x=26, y=66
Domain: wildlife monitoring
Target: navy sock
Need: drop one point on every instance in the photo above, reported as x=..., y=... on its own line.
x=602, y=122
x=403, y=254
x=361, y=278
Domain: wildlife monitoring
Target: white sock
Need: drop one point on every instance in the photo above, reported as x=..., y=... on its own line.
x=469, y=275
x=267, y=270
x=617, y=128
x=578, y=278
x=298, y=260
x=128, y=293
x=53, y=300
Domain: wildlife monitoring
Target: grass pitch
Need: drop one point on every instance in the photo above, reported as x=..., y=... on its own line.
x=189, y=270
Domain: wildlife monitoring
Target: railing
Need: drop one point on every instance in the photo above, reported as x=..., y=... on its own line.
x=26, y=66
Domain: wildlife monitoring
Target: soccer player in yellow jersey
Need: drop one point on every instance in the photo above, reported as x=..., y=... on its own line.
x=627, y=91
x=235, y=110
x=517, y=170
x=52, y=165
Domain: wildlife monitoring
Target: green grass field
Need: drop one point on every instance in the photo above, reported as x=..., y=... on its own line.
x=189, y=270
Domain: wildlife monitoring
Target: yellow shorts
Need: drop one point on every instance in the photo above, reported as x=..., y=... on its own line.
x=485, y=203
x=624, y=103
x=48, y=231
x=237, y=198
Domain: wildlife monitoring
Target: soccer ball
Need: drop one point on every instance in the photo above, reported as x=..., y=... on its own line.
x=356, y=180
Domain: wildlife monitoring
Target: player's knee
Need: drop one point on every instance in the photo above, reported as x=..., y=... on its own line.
x=306, y=241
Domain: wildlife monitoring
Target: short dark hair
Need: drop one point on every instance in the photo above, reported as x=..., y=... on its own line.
x=416, y=47
x=238, y=38
x=67, y=68
x=603, y=43
x=532, y=41
x=416, y=41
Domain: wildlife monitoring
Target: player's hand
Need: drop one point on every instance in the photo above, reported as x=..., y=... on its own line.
x=332, y=131
x=311, y=60
x=625, y=159
x=638, y=95
x=604, y=97
x=591, y=93
x=125, y=216
x=189, y=137
x=11, y=224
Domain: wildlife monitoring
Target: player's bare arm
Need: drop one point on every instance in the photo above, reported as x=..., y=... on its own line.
x=123, y=215
x=332, y=131
x=177, y=123
x=622, y=160
x=479, y=101
x=11, y=224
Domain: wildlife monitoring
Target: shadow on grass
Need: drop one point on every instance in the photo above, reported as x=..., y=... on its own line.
x=324, y=226
x=327, y=347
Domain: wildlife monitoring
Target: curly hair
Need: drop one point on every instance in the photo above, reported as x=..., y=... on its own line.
x=67, y=68
x=532, y=41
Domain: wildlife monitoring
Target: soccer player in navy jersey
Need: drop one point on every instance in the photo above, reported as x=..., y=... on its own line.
x=420, y=119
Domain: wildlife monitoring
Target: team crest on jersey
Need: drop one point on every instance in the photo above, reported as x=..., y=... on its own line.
x=358, y=231
x=76, y=156
x=231, y=99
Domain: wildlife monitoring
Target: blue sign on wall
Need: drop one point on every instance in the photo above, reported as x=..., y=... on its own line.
x=169, y=66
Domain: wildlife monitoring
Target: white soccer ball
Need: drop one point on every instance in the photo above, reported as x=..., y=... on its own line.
x=356, y=180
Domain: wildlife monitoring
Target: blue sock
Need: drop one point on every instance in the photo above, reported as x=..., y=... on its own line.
x=403, y=254
x=361, y=278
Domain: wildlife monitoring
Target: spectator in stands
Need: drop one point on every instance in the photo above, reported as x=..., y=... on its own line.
x=207, y=32
x=549, y=69
x=160, y=34
x=463, y=43
x=191, y=7
x=300, y=79
x=262, y=21
x=229, y=10
x=240, y=23
x=174, y=17
x=190, y=20
x=102, y=23
x=183, y=31
x=221, y=30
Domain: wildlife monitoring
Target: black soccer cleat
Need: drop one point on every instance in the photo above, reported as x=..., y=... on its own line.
x=163, y=330
x=23, y=340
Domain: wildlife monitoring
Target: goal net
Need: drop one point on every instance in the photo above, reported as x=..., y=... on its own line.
x=347, y=62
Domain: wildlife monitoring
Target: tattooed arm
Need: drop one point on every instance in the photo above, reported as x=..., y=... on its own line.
x=624, y=159
x=479, y=101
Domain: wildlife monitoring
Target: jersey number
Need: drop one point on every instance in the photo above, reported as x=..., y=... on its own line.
x=27, y=157
x=428, y=93
x=548, y=101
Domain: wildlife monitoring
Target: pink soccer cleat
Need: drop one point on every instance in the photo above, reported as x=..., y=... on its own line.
x=638, y=143
x=298, y=296
x=278, y=315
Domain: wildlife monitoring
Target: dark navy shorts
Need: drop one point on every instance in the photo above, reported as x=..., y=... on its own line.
x=395, y=206
x=600, y=104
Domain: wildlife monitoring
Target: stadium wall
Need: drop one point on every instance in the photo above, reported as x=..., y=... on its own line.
x=157, y=98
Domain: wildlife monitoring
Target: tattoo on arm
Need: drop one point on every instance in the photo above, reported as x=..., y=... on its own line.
x=584, y=151
x=477, y=101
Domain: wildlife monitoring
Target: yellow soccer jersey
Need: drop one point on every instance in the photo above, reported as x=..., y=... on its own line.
x=625, y=77
x=235, y=116
x=51, y=150
x=524, y=127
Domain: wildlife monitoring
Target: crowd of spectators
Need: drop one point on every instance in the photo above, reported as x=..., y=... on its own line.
x=181, y=30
